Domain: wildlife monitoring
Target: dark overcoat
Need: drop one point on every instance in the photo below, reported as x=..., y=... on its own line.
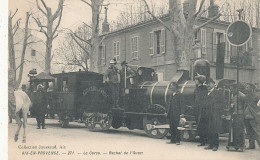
x=251, y=103
x=202, y=109
x=216, y=108
x=40, y=100
x=174, y=110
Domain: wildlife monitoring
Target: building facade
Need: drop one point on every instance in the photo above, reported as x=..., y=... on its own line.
x=149, y=44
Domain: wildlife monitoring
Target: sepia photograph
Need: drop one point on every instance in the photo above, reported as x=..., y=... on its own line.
x=130, y=79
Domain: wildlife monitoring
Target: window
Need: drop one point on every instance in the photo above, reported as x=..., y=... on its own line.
x=134, y=47
x=103, y=54
x=33, y=52
x=203, y=42
x=157, y=42
x=116, y=49
x=219, y=38
x=151, y=43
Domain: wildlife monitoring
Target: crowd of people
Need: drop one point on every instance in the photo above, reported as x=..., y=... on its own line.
x=209, y=102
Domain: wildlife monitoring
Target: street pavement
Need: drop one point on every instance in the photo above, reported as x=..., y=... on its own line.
x=77, y=142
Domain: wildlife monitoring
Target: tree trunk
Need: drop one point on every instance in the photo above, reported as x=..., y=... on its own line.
x=95, y=40
x=11, y=44
x=23, y=51
x=48, y=55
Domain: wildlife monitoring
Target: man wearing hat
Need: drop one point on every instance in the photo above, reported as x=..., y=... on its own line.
x=200, y=95
x=111, y=76
x=126, y=76
x=40, y=105
x=216, y=107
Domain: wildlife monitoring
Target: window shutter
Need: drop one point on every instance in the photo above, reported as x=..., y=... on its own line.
x=104, y=54
x=132, y=47
x=214, y=47
x=114, y=49
x=151, y=41
x=162, y=41
x=203, y=40
x=137, y=47
x=118, y=52
x=227, y=50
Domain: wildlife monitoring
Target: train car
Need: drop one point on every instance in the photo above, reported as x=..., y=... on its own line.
x=76, y=93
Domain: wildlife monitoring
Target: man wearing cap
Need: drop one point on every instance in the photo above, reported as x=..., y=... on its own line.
x=111, y=76
x=200, y=97
x=126, y=76
x=216, y=107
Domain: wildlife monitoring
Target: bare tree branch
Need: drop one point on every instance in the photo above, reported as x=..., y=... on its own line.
x=41, y=26
x=87, y=25
x=82, y=47
x=87, y=3
x=204, y=24
x=200, y=8
x=45, y=6
x=158, y=19
x=38, y=6
x=55, y=36
x=59, y=9
x=12, y=16
x=16, y=26
x=55, y=29
x=33, y=42
x=86, y=41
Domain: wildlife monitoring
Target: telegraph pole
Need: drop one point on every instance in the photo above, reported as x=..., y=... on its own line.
x=239, y=50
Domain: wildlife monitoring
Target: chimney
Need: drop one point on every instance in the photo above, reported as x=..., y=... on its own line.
x=185, y=7
x=213, y=9
x=105, y=24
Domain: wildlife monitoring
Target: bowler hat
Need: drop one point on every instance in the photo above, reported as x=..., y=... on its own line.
x=123, y=63
x=201, y=78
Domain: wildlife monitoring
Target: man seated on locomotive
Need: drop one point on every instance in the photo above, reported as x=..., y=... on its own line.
x=126, y=74
x=139, y=77
x=111, y=77
x=174, y=113
x=252, y=117
x=216, y=107
x=200, y=97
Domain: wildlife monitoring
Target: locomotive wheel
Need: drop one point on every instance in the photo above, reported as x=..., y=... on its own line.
x=149, y=121
x=64, y=123
x=154, y=132
x=106, y=123
x=188, y=135
x=90, y=125
x=116, y=122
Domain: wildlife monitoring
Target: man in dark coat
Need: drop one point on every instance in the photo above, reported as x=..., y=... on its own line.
x=200, y=97
x=111, y=76
x=173, y=114
x=216, y=107
x=252, y=117
x=126, y=76
x=40, y=105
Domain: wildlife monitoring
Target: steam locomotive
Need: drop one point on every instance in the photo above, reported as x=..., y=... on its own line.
x=83, y=95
